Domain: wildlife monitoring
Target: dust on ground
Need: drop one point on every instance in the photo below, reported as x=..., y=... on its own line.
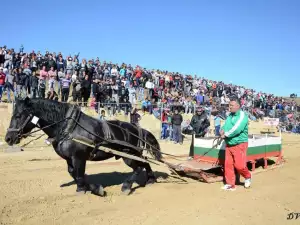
x=36, y=188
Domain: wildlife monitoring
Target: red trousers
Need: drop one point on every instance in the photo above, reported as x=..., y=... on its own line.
x=235, y=157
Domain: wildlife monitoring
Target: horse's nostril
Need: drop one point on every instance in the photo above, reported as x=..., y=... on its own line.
x=7, y=140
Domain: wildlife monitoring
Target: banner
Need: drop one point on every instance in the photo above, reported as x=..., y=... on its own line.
x=271, y=121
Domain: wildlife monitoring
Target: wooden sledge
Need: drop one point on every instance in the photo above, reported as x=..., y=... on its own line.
x=208, y=162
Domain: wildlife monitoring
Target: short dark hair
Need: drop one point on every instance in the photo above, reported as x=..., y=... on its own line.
x=235, y=99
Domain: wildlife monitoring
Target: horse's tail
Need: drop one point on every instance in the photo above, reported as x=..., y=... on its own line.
x=154, y=149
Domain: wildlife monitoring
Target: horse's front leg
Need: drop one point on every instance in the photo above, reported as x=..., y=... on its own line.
x=70, y=168
x=127, y=185
x=78, y=173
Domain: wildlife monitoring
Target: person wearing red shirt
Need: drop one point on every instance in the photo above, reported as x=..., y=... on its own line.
x=2, y=82
x=138, y=75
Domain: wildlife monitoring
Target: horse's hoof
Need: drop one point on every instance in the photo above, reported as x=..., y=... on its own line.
x=81, y=191
x=150, y=181
x=126, y=189
x=97, y=190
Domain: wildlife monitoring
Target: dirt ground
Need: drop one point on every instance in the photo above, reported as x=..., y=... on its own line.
x=35, y=188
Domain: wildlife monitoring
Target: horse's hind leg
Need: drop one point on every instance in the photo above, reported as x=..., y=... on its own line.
x=150, y=177
x=137, y=169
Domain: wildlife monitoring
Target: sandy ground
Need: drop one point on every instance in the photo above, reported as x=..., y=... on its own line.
x=31, y=192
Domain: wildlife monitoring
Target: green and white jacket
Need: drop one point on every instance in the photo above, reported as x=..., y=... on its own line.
x=236, y=128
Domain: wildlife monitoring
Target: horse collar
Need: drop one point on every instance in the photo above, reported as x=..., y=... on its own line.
x=73, y=115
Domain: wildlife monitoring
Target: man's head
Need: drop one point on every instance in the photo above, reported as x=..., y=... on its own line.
x=199, y=110
x=176, y=111
x=234, y=105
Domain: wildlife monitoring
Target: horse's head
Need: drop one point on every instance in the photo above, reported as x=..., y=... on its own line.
x=22, y=122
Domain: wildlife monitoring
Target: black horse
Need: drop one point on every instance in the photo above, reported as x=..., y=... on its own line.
x=65, y=123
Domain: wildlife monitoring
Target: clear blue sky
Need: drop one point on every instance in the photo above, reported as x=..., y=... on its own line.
x=255, y=43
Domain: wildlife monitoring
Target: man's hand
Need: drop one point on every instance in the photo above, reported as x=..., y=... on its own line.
x=222, y=134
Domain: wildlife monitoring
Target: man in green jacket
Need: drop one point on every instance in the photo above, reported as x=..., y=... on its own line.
x=235, y=134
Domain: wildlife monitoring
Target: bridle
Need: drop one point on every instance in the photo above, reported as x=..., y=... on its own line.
x=20, y=130
x=32, y=117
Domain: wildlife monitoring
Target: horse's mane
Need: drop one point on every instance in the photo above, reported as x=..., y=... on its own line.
x=49, y=109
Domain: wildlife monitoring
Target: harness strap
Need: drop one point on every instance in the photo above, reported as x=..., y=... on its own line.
x=141, y=143
x=74, y=114
x=93, y=153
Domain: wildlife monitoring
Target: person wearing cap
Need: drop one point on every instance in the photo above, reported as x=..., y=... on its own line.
x=235, y=134
x=200, y=122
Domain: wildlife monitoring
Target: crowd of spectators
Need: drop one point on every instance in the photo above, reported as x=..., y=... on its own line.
x=121, y=86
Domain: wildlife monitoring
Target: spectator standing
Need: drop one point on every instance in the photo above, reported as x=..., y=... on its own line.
x=176, y=124
x=165, y=123
x=34, y=84
x=65, y=88
x=42, y=82
x=20, y=81
x=217, y=124
x=77, y=91
x=9, y=83
x=27, y=71
x=51, y=64
x=107, y=106
x=149, y=89
x=52, y=76
x=2, y=82
x=132, y=94
x=85, y=90
x=60, y=76
x=115, y=93
x=8, y=60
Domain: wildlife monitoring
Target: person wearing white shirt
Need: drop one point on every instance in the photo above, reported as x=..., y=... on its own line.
x=114, y=71
x=132, y=94
x=150, y=86
x=223, y=100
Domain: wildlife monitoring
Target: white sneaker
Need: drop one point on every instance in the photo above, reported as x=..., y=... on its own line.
x=247, y=183
x=228, y=187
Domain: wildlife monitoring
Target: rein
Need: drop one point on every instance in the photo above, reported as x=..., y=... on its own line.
x=42, y=128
